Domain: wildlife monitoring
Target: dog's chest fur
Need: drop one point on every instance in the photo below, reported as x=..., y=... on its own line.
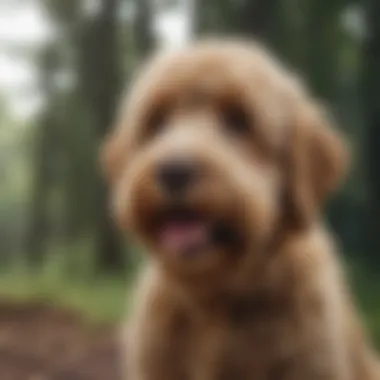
x=247, y=337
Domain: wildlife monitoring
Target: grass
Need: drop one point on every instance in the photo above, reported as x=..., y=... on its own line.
x=98, y=300
x=68, y=279
x=102, y=299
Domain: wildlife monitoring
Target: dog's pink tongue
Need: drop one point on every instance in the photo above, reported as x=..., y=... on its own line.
x=181, y=237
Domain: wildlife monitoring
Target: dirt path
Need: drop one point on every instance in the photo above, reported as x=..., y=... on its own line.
x=40, y=343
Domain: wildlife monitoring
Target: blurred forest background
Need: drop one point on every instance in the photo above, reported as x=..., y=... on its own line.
x=57, y=243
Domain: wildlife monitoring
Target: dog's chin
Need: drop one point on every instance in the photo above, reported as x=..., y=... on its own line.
x=182, y=233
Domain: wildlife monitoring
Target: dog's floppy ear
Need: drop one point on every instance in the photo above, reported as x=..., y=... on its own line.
x=115, y=146
x=317, y=160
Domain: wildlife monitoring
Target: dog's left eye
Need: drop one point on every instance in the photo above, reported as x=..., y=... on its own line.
x=235, y=120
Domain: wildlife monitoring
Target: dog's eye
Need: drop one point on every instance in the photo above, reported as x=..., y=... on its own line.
x=156, y=121
x=235, y=120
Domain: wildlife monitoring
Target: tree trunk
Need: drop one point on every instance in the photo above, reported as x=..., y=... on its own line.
x=371, y=85
x=110, y=252
x=322, y=43
x=37, y=232
x=44, y=156
x=100, y=77
x=258, y=19
x=144, y=39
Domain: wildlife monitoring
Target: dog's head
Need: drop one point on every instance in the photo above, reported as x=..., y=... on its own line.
x=216, y=149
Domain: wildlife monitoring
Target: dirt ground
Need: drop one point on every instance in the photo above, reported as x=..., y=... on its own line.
x=41, y=343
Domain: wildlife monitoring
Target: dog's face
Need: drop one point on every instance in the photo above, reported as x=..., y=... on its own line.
x=214, y=147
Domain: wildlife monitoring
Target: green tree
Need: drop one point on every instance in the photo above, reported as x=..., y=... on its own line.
x=322, y=46
x=371, y=85
x=101, y=79
x=43, y=160
x=143, y=34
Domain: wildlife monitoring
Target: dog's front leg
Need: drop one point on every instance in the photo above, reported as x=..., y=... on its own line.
x=315, y=364
x=156, y=337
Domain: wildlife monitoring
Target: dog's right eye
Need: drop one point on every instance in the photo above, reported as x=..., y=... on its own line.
x=155, y=122
x=235, y=120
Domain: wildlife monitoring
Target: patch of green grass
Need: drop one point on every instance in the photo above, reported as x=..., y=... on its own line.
x=99, y=300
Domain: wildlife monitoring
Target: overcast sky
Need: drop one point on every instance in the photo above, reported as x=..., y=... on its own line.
x=26, y=25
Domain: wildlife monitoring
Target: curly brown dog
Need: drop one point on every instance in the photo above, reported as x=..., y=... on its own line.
x=220, y=165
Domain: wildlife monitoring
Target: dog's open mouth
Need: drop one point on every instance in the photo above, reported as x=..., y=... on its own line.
x=188, y=233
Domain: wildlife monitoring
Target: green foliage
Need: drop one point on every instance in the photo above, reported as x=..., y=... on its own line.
x=367, y=289
x=102, y=299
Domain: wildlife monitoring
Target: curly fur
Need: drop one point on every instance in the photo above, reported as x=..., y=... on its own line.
x=280, y=307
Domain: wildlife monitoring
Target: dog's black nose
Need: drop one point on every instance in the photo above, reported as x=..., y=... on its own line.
x=176, y=175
